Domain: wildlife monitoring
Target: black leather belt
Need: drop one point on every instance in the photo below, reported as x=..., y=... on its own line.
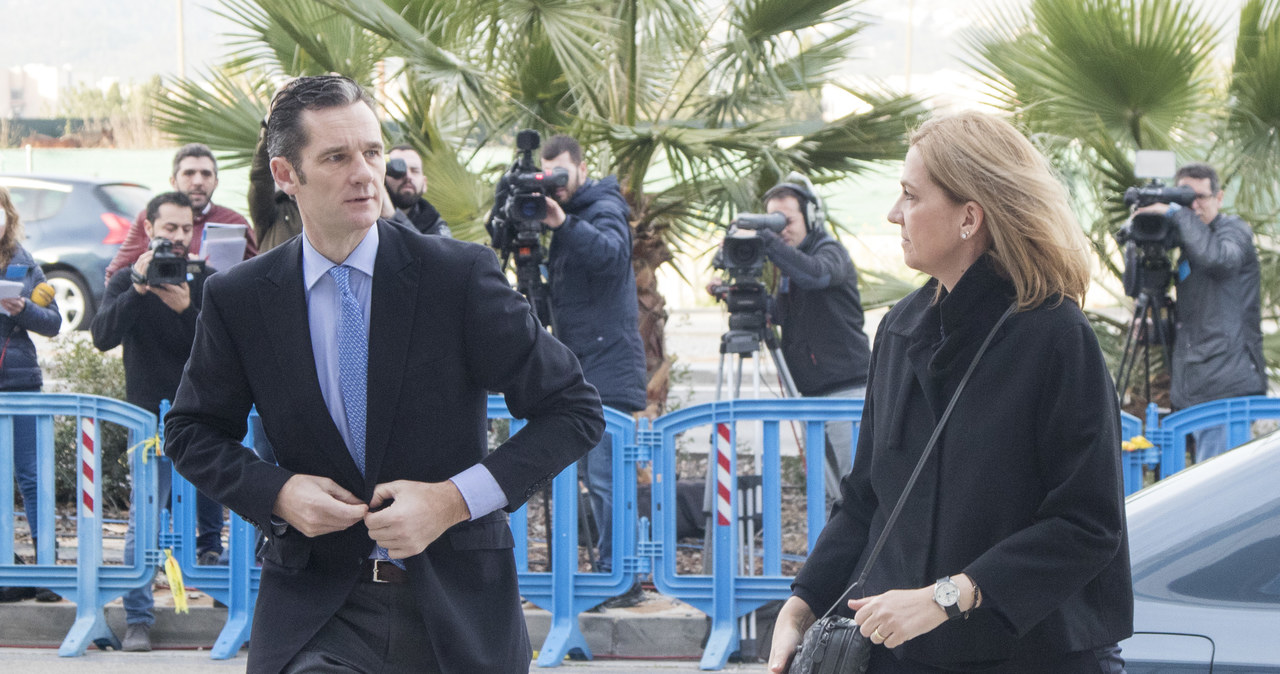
x=382, y=571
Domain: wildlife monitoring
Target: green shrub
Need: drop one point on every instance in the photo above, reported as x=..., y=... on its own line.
x=74, y=365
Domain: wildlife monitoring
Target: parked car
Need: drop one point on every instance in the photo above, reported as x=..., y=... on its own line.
x=1205, y=547
x=74, y=227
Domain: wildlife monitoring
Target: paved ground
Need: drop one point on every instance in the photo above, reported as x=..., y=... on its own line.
x=46, y=661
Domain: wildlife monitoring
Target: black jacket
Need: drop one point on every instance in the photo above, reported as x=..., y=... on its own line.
x=426, y=219
x=1218, y=352
x=157, y=340
x=1023, y=492
x=820, y=312
x=593, y=293
x=20, y=367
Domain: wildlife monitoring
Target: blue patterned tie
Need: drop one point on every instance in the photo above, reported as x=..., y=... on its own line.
x=353, y=369
x=353, y=361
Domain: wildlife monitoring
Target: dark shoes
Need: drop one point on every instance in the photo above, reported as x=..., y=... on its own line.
x=137, y=639
x=12, y=594
x=632, y=597
x=209, y=558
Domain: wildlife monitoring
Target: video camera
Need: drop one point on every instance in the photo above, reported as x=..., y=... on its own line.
x=515, y=223
x=167, y=267
x=1148, y=238
x=742, y=257
x=520, y=201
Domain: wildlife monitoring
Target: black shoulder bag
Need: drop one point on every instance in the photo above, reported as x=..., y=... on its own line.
x=834, y=644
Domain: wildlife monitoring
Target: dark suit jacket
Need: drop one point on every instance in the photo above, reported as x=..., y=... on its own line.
x=1023, y=492
x=445, y=328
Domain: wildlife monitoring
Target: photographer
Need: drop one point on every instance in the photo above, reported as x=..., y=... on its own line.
x=157, y=325
x=593, y=300
x=1218, y=335
x=407, y=189
x=819, y=310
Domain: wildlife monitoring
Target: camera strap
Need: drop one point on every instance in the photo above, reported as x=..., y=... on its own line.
x=924, y=456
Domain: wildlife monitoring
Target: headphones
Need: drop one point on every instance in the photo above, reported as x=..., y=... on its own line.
x=815, y=215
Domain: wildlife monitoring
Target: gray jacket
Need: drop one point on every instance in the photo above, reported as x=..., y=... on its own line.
x=1218, y=348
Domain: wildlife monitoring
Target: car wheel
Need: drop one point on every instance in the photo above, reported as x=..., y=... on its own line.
x=73, y=300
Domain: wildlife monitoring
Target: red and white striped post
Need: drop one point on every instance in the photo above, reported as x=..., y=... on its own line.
x=88, y=482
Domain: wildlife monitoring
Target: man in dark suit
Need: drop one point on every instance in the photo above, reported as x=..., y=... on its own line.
x=387, y=548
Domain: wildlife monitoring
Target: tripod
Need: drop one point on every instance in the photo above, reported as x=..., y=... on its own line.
x=1152, y=323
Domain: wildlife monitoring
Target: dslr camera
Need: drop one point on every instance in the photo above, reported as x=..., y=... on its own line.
x=397, y=168
x=167, y=267
x=742, y=257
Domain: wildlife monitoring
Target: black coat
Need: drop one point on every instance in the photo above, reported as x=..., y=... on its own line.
x=445, y=328
x=1023, y=492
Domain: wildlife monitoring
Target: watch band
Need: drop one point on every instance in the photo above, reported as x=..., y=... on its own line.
x=136, y=277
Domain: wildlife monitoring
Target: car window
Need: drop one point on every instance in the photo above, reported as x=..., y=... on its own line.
x=37, y=204
x=126, y=198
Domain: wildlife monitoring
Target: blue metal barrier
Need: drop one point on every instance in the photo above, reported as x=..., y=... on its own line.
x=90, y=584
x=728, y=593
x=236, y=583
x=1170, y=434
x=565, y=591
x=1133, y=462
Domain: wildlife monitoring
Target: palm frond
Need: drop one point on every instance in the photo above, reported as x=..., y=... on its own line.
x=224, y=112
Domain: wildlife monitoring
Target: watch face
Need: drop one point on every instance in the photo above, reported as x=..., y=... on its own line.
x=946, y=594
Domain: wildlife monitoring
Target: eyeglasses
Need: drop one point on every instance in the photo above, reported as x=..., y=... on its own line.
x=1203, y=197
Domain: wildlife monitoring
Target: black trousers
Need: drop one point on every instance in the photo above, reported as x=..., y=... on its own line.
x=378, y=629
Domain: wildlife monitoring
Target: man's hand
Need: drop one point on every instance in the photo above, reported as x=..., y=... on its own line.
x=140, y=268
x=1157, y=209
x=176, y=297
x=13, y=305
x=317, y=505
x=555, y=214
x=421, y=511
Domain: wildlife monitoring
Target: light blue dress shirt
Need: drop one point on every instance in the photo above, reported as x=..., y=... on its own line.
x=476, y=484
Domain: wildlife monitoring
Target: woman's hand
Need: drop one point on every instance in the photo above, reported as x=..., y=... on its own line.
x=793, y=619
x=14, y=305
x=898, y=616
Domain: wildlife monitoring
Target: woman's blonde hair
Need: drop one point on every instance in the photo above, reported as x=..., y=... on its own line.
x=13, y=233
x=1035, y=239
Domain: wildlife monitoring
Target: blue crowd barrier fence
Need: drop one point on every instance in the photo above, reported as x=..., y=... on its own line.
x=742, y=565
x=91, y=583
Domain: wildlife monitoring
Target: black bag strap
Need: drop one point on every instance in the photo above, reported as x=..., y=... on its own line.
x=924, y=456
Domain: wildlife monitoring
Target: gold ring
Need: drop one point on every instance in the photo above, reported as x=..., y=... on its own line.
x=876, y=633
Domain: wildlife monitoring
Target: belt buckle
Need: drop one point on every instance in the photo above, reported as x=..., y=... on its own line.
x=377, y=570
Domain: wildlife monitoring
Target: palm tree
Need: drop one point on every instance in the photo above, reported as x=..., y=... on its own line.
x=1094, y=80
x=688, y=103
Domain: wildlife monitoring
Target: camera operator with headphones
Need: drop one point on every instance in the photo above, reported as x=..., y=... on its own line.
x=1218, y=334
x=818, y=308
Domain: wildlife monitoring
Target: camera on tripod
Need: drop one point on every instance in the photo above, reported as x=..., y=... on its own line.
x=515, y=223
x=1148, y=238
x=742, y=257
x=520, y=201
x=167, y=267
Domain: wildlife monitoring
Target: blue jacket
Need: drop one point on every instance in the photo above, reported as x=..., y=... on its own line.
x=20, y=368
x=593, y=293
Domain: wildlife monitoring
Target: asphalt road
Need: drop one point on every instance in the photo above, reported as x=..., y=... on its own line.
x=46, y=661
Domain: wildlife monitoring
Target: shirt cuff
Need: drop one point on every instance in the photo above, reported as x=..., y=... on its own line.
x=479, y=490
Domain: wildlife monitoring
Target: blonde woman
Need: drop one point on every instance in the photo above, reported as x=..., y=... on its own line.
x=19, y=368
x=1010, y=554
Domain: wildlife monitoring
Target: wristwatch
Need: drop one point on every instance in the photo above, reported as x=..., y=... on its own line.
x=947, y=595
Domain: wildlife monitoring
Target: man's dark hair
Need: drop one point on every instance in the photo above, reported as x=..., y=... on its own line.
x=286, y=135
x=405, y=146
x=194, y=150
x=1199, y=171
x=175, y=198
x=560, y=144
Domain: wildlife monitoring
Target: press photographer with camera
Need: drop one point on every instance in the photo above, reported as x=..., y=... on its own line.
x=1217, y=349
x=152, y=310
x=407, y=186
x=594, y=306
x=818, y=307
